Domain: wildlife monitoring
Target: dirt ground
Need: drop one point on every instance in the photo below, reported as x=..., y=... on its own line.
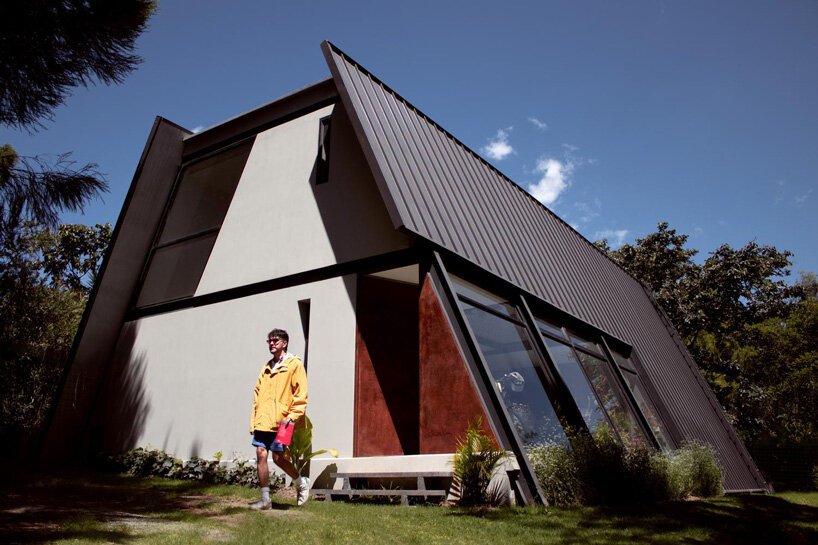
x=42, y=509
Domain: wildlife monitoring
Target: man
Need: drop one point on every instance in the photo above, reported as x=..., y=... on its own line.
x=280, y=397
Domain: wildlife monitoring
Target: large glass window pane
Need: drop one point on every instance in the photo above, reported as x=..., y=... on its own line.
x=624, y=362
x=548, y=327
x=175, y=270
x=648, y=410
x=511, y=360
x=479, y=295
x=613, y=398
x=585, y=343
x=204, y=193
x=571, y=373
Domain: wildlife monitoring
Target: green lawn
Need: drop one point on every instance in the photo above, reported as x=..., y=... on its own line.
x=98, y=508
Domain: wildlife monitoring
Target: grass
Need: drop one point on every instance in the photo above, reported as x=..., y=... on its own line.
x=90, y=508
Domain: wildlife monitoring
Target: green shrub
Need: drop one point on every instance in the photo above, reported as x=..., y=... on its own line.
x=558, y=474
x=301, y=446
x=815, y=477
x=601, y=471
x=475, y=460
x=694, y=471
x=143, y=462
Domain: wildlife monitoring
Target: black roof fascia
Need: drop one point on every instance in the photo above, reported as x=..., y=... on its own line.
x=160, y=124
x=281, y=110
x=397, y=212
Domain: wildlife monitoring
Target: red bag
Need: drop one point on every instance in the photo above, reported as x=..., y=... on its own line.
x=285, y=433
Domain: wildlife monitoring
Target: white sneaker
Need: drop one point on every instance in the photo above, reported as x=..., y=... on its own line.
x=302, y=487
x=261, y=505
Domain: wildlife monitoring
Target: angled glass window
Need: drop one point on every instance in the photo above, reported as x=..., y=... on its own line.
x=613, y=399
x=550, y=329
x=572, y=374
x=644, y=402
x=487, y=299
x=585, y=344
x=513, y=364
x=203, y=193
x=197, y=209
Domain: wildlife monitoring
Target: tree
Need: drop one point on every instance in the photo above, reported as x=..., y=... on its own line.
x=663, y=264
x=43, y=290
x=747, y=328
x=51, y=46
x=46, y=48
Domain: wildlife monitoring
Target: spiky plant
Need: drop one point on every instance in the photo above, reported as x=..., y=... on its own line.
x=475, y=460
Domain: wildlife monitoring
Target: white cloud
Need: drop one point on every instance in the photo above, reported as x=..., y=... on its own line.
x=803, y=198
x=197, y=129
x=555, y=179
x=498, y=148
x=615, y=237
x=588, y=211
x=542, y=125
x=570, y=147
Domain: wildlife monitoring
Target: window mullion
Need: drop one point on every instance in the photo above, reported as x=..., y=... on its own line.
x=500, y=419
x=555, y=385
x=630, y=398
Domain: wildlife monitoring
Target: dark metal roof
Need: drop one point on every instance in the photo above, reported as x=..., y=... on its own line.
x=437, y=188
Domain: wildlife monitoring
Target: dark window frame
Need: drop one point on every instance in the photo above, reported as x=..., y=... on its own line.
x=322, y=158
x=156, y=245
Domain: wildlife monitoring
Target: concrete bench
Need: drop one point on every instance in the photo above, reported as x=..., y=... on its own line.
x=349, y=491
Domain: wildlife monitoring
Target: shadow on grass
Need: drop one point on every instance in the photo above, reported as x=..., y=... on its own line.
x=741, y=519
x=97, y=506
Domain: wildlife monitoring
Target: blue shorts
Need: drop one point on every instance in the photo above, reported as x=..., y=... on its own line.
x=266, y=439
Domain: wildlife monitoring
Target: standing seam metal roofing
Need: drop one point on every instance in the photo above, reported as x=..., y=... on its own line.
x=437, y=188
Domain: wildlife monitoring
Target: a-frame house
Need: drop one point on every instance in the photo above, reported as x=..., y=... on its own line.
x=422, y=286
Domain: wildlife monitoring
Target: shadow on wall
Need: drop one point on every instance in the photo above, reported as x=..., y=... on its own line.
x=350, y=205
x=118, y=418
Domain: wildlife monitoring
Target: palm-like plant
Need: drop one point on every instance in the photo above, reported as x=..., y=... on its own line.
x=301, y=446
x=475, y=461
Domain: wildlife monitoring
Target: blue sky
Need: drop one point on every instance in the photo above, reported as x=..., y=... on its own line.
x=617, y=115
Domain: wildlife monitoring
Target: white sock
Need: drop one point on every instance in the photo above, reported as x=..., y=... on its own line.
x=265, y=493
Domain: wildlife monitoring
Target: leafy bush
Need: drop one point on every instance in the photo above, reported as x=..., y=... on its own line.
x=300, y=448
x=147, y=462
x=558, y=474
x=475, y=460
x=693, y=471
x=602, y=471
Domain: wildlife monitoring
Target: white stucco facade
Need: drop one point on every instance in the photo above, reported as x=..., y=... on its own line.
x=280, y=222
x=197, y=368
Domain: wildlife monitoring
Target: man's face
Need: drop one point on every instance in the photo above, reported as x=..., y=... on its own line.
x=277, y=346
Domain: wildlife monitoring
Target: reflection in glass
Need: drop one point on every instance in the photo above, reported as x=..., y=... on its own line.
x=485, y=298
x=622, y=361
x=550, y=328
x=648, y=410
x=571, y=373
x=204, y=193
x=511, y=360
x=613, y=398
x=585, y=343
x=175, y=270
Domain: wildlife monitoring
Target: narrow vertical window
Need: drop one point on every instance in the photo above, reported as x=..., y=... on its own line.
x=322, y=161
x=304, y=311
